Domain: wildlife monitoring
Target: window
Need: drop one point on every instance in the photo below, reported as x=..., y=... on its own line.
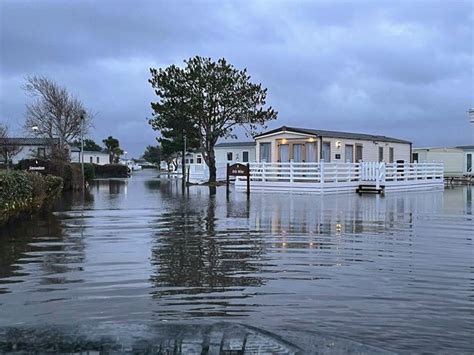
x=245, y=157
x=284, y=152
x=41, y=152
x=98, y=160
x=415, y=157
x=380, y=154
x=265, y=152
x=199, y=159
x=349, y=153
x=358, y=153
x=186, y=161
x=229, y=156
x=311, y=152
x=469, y=161
x=326, y=151
x=298, y=153
x=191, y=161
x=91, y=159
x=390, y=154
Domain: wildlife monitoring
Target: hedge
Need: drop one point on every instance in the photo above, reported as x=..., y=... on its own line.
x=24, y=192
x=70, y=173
x=111, y=171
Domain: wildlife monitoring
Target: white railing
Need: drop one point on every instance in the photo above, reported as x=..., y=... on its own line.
x=199, y=173
x=413, y=171
x=305, y=172
x=344, y=172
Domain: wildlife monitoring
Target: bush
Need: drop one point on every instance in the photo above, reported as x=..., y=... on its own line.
x=111, y=171
x=23, y=192
x=70, y=173
x=16, y=192
x=89, y=171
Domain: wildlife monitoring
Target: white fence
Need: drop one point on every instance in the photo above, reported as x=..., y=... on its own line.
x=340, y=177
x=199, y=173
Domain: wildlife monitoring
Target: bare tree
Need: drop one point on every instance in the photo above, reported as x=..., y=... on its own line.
x=55, y=113
x=8, y=147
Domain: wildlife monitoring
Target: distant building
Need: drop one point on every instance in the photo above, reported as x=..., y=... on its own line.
x=99, y=158
x=242, y=152
x=30, y=148
x=311, y=145
x=458, y=161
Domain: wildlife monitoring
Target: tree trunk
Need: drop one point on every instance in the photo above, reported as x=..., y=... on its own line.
x=212, y=165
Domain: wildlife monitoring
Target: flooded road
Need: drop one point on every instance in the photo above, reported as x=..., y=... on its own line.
x=394, y=272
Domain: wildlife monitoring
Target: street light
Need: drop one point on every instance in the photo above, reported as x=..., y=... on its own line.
x=82, y=156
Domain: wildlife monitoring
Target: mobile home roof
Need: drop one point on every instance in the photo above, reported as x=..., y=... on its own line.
x=334, y=134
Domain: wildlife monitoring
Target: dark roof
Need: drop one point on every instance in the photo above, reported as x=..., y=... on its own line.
x=466, y=147
x=234, y=144
x=29, y=141
x=335, y=134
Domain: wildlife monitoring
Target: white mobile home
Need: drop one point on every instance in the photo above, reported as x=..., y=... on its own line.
x=242, y=152
x=286, y=144
x=29, y=148
x=99, y=158
x=458, y=161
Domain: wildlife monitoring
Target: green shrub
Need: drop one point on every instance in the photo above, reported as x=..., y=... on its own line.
x=16, y=191
x=23, y=192
x=70, y=173
x=89, y=171
x=111, y=171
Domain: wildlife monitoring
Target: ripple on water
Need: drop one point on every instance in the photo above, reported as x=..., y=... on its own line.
x=394, y=272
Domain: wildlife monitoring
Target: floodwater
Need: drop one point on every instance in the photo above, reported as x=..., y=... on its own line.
x=304, y=273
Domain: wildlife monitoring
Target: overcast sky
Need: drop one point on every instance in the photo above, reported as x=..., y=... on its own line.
x=402, y=69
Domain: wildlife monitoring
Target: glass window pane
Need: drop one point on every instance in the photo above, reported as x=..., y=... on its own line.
x=311, y=153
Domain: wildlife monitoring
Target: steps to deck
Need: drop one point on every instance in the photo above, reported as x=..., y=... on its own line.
x=370, y=189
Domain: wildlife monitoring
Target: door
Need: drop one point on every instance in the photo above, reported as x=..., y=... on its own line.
x=349, y=153
x=469, y=161
x=284, y=150
x=358, y=155
x=311, y=153
x=326, y=151
x=298, y=153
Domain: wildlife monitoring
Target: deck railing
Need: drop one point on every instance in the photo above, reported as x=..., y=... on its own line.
x=344, y=172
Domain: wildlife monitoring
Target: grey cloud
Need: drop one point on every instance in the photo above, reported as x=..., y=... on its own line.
x=399, y=68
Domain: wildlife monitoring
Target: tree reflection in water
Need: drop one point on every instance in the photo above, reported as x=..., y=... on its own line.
x=189, y=252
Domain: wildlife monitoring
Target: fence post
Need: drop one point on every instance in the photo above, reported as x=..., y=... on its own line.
x=227, y=179
x=263, y=170
x=321, y=164
x=377, y=176
x=291, y=170
x=248, y=180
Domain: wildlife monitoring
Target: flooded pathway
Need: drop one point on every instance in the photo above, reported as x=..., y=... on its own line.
x=394, y=272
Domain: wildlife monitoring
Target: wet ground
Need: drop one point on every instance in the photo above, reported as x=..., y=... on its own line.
x=147, y=267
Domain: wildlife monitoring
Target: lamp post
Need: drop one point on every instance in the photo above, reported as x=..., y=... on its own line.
x=82, y=156
x=471, y=119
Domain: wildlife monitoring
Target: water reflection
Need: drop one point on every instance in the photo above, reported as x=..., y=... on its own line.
x=394, y=271
x=193, y=256
x=39, y=247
